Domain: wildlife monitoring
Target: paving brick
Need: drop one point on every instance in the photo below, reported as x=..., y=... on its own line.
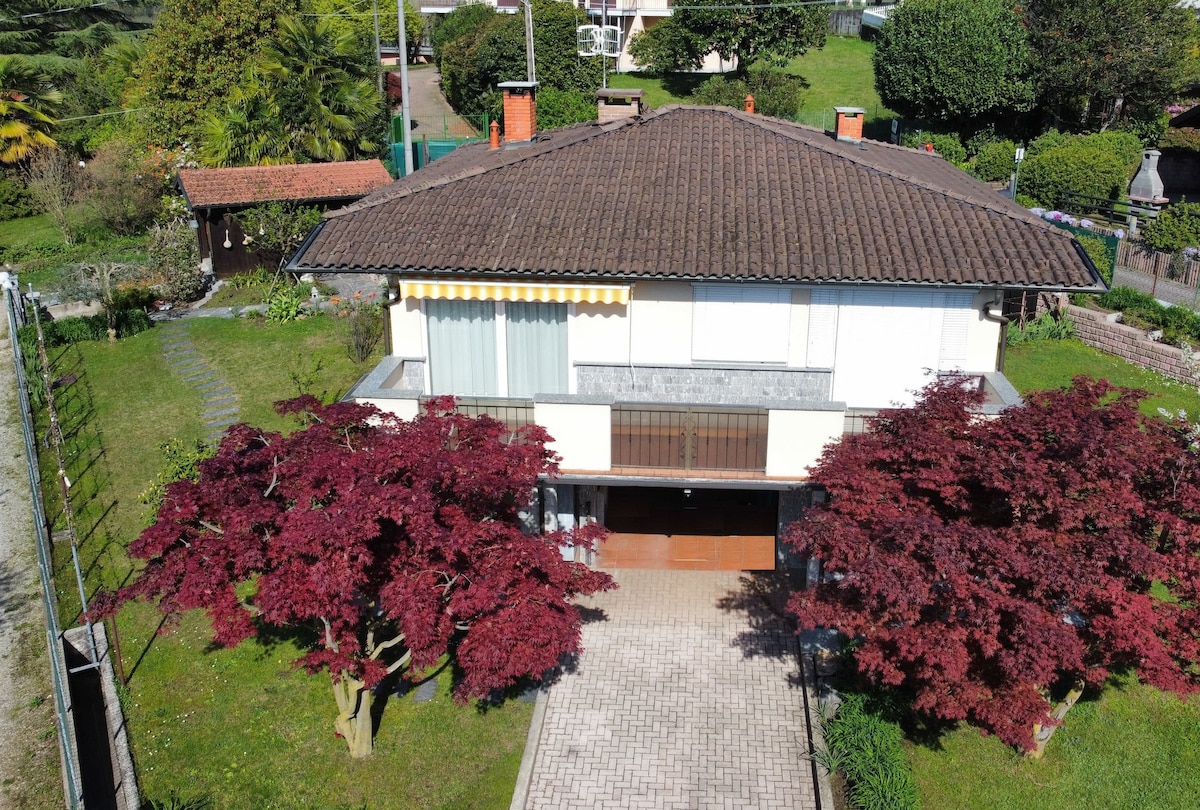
x=681, y=699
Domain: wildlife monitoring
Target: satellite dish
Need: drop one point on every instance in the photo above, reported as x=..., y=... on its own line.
x=589, y=40
x=610, y=44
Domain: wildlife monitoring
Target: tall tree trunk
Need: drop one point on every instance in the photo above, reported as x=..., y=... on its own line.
x=1042, y=734
x=354, y=714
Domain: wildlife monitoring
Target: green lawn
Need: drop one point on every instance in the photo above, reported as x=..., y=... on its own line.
x=241, y=726
x=838, y=75
x=37, y=247
x=1131, y=746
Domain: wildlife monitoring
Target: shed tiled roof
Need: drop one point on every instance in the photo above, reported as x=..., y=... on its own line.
x=698, y=193
x=347, y=180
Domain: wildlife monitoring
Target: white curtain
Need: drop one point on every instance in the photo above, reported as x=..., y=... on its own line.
x=537, y=348
x=462, y=347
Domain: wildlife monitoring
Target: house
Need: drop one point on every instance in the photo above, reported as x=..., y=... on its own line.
x=216, y=196
x=693, y=302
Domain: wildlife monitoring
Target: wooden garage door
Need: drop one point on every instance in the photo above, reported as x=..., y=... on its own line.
x=689, y=552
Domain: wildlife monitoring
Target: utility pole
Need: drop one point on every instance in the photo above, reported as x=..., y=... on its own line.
x=405, y=112
x=603, y=43
x=379, y=54
x=530, y=71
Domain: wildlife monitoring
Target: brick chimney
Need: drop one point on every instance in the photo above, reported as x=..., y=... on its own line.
x=848, y=123
x=520, y=111
x=615, y=104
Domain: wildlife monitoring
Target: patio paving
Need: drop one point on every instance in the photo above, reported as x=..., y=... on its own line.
x=687, y=696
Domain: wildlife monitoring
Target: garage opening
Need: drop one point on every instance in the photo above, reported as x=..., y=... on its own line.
x=690, y=528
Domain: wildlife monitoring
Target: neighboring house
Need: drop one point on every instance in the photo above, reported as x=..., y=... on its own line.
x=216, y=196
x=629, y=17
x=692, y=302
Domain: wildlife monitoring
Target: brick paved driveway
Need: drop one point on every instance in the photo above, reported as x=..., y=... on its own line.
x=686, y=697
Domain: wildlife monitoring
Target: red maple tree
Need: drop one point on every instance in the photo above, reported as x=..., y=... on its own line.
x=400, y=541
x=980, y=562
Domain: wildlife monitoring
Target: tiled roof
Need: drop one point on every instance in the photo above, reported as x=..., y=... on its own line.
x=701, y=193
x=348, y=180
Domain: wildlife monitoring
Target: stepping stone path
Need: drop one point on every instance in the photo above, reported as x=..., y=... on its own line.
x=220, y=402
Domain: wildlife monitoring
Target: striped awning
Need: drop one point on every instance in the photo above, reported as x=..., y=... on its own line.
x=503, y=291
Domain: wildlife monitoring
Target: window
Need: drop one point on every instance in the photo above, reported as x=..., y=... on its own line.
x=740, y=323
x=497, y=349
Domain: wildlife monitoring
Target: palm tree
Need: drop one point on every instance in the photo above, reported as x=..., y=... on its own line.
x=27, y=102
x=311, y=97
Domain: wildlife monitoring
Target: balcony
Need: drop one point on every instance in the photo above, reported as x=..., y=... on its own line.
x=689, y=439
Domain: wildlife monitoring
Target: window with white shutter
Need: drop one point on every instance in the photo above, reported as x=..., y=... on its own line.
x=740, y=323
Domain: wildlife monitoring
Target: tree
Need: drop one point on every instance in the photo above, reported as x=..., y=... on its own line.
x=1176, y=228
x=309, y=98
x=978, y=563
x=960, y=63
x=745, y=31
x=196, y=54
x=27, y=104
x=53, y=180
x=475, y=62
x=400, y=542
x=1096, y=61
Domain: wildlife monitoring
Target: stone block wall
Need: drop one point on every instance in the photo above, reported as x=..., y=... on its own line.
x=704, y=385
x=1094, y=329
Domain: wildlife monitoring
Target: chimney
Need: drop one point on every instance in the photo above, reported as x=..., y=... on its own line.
x=520, y=111
x=616, y=105
x=750, y=104
x=1147, y=186
x=848, y=124
x=494, y=136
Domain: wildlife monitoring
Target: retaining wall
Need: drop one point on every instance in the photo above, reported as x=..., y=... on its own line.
x=1096, y=330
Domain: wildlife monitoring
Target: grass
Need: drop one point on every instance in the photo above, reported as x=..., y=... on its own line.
x=840, y=74
x=36, y=246
x=241, y=726
x=1129, y=746
x=1053, y=363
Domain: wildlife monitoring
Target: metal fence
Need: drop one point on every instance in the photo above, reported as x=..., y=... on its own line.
x=514, y=413
x=72, y=782
x=689, y=439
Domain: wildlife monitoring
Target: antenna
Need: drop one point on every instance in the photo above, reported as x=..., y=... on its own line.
x=602, y=40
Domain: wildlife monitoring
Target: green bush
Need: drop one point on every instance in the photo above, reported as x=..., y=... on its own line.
x=776, y=93
x=561, y=108
x=1100, y=255
x=867, y=749
x=1184, y=138
x=1176, y=228
x=15, y=201
x=995, y=161
x=950, y=147
x=285, y=306
x=1179, y=325
x=1047, y=327
x=1099, y=165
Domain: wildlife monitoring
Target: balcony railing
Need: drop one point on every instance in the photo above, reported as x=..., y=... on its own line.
x=514, y=413
x=689, y=439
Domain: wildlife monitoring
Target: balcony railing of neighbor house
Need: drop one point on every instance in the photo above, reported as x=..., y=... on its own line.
x=689, y=439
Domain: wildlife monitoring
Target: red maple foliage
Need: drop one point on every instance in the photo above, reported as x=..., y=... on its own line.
x=978, y=562
x=400, y=541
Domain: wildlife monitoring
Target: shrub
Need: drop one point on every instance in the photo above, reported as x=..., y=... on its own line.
x=1047, y=327
x=995, y=161
x=15, y=200
x=175, y=260
x=950, y=147
x=1100, y=255
x=1176, y=228
x=1185, y=138
x=363, y=319
x=124, y=187
x=866, y=748
x=1178, y=324
x=775, y=93
x=259, y=277
x=1092, y=168
x=285, y=306
x=561, y=108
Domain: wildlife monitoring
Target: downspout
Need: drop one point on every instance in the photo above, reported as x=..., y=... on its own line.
x=998, y=317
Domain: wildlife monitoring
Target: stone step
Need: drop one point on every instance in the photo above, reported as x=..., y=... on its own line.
x=199, y=376
x=216, y=402
x=214, y=386
x=210, y=417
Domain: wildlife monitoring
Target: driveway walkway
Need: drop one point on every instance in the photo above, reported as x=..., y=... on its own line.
x=686, y=697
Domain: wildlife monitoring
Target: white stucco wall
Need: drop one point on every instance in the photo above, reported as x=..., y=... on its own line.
x=403, y=408
x=983, y=337
x=582, y=434
x=407, y=327
x=662, y=322
x=795, y=440
x=600, y=334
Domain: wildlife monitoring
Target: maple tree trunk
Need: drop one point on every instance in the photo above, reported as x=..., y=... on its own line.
x=1041, y=734
x=354, y=714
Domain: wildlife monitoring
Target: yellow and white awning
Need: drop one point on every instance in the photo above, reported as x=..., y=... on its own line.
x=505, y=291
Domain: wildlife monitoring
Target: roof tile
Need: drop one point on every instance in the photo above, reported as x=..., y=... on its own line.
x=347, y=180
